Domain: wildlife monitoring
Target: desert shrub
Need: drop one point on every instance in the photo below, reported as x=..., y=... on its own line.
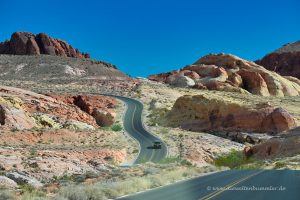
x=170, y=160
x=279, y=165
x=234, y=159
x=7, y=195
x=116, y=127
x=35, y=195
x=81, y=193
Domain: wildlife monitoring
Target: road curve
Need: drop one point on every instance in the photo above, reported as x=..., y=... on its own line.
x=241, y=184
x=133, y=125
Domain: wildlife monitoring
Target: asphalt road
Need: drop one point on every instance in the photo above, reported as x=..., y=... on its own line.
x=241, y=184
x=133, y=125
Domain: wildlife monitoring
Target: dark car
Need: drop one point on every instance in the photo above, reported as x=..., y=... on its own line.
x=157, y=145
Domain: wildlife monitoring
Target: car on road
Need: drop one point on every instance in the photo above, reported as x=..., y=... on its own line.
x=157, y=144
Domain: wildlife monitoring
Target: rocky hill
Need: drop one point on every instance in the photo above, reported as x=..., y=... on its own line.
x=31, y=57
x=25, y=43
x=225, y=72
x=285, y=60
x=56, y=69
x=289, y=47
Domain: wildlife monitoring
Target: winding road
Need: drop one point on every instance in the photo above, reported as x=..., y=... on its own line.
x=225, y=185
x=133, y=125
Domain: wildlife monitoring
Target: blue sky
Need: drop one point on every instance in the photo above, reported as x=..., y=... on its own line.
x=147, y=37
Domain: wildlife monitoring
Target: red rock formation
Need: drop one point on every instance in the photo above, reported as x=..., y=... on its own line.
x=285, y=63
x=100, y=107
x=204, y=112
x=288, y=145
x=17, y=107
x=226, y=72
x=24, y=43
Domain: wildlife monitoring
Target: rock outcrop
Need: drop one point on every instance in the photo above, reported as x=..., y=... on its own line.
x=25, y=43
x=285, y=60
x=23, y=179
x=22, y=109
x=209, y=112
x=285, y=64
x=182, y=81
x=226, y=72
x=100, y=107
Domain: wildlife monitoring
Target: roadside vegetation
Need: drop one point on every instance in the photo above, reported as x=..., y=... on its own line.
x=151, y=179
x=237, y=160
x=122, y=181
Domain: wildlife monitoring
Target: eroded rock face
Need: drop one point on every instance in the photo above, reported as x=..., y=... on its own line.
x=285, y=60
x=22, y=109
x=103, y=118
x=100, y=107
x=285, y=63
x=24, y=43
x=225, y=72
x=204, y=112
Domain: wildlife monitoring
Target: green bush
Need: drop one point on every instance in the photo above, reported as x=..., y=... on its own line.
x=279, y=165
x=116, y=127
x=234, y=159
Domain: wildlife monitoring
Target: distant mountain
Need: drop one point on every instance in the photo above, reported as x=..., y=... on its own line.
x=25, y=43
x=285, y=60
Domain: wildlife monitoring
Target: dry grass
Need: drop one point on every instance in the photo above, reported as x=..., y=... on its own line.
x=131, y=185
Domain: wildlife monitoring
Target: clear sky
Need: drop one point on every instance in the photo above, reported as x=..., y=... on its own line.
x=146, y=37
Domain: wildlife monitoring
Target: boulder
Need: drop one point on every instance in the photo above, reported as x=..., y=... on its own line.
x=14, y=118
x=183, y=81
x=7, y=183
x=103, y=118
x=21, y=178
x=289, y=145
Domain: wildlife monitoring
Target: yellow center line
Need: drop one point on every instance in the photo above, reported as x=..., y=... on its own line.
x=214, y=194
